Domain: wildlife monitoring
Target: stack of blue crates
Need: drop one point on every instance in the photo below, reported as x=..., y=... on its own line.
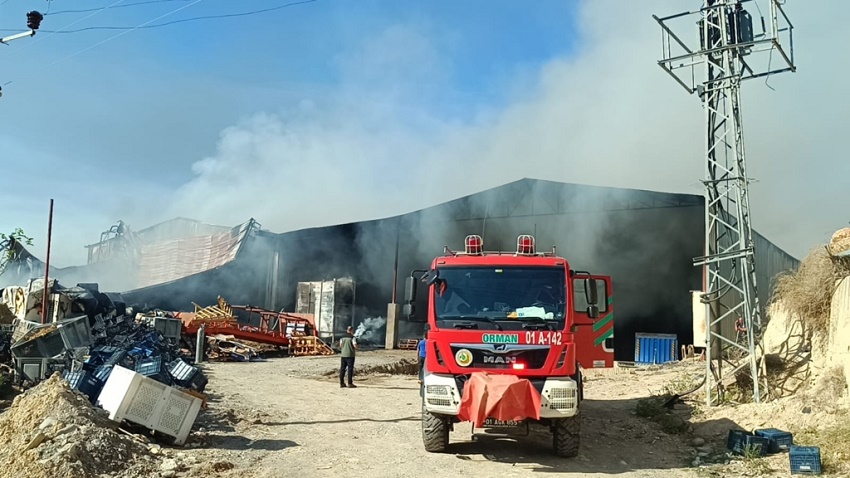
x=739, y=441
x=805, y=460
x=778, y=440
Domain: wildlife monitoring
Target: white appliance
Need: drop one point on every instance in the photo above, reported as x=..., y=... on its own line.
x=130, y=396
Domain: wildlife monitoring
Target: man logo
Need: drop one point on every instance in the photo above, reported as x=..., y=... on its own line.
x=463, y=357
x=498, y=359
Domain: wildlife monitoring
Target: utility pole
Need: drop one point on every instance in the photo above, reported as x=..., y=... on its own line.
x=728, y=52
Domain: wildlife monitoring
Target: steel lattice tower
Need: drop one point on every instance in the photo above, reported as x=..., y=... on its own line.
x=727, y=51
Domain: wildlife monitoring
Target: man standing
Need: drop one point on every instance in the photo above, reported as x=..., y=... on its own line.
x=347, y=347
x=420, y=347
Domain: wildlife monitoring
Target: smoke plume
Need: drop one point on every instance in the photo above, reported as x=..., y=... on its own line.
x=369, y=330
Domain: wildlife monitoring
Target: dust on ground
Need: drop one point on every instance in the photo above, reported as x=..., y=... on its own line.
x=288, y=416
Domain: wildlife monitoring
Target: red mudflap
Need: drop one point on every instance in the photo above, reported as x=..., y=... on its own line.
x=501, y=397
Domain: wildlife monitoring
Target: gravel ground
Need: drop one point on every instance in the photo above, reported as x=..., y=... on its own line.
x=286, y=417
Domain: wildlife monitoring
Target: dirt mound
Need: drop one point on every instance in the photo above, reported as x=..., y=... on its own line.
x=401, y=367
x=52, y=431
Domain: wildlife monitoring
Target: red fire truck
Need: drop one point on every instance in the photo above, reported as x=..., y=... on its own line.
x=522, y=313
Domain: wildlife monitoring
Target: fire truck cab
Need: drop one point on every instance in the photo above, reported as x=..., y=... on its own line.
x=517, y=313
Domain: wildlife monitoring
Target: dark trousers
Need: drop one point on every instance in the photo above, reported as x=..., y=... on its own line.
x=421, y=367
x=346, y=363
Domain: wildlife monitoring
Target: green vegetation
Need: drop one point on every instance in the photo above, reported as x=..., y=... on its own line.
x=7, y=253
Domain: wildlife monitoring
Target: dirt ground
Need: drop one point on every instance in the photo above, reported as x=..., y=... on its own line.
x=288, y=417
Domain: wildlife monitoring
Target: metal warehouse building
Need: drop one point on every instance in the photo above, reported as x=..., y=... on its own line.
x=645, y=240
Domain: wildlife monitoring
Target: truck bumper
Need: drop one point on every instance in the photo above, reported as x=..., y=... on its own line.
x=559, y=397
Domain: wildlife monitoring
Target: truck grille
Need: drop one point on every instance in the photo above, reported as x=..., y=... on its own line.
x=562, y=398
x=439, y=402
x=437, y=390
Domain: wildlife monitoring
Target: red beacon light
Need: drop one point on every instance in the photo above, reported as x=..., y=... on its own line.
x=474, y=244
x=525, y=244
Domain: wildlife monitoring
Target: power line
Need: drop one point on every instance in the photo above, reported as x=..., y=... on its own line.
x=113, y=37
x=184, y=20
x=122, y=33
x=62, y=30
x=120, y=6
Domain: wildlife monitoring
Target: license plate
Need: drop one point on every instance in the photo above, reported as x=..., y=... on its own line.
x=491, y=423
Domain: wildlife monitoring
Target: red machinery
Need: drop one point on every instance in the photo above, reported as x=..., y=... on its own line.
x=523, y=315
x=274, y=328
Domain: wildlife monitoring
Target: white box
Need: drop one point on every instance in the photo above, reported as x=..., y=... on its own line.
x=130, y=396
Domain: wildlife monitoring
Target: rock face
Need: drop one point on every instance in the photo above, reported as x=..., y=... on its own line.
x=797, y=356
x=787, y=347
x=839, y=324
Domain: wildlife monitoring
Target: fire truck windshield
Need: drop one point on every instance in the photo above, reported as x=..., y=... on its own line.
x=500, y=297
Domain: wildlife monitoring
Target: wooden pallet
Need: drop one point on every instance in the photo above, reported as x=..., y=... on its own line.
x=408, y=344
x=308, y=345
x=221, y=311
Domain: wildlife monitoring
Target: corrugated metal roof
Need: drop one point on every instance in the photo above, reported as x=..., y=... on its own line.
x=169, y=260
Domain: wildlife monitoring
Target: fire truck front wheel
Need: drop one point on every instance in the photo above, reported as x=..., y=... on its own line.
x=435, y=432
x=566, y=436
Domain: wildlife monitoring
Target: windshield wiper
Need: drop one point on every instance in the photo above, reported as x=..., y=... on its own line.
x=476, y=318
x=540, y=322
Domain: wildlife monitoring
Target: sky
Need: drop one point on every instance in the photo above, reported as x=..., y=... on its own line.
x=336, y=111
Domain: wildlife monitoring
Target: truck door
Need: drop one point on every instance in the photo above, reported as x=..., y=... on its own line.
x=594, y=338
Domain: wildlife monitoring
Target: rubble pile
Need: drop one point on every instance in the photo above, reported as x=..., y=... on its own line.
x=52, y=430
x=87, y=347
x=226, y=348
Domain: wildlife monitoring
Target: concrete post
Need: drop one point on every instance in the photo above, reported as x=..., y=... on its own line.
x=393, y=313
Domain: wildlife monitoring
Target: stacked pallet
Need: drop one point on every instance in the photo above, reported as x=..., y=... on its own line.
x=218, y=312
x=308, y=345
x=408, y=344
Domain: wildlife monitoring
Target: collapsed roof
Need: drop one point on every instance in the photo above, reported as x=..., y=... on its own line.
x=126, y=260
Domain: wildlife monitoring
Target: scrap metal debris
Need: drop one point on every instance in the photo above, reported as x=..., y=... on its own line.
x=225, y=347
x=105, y=336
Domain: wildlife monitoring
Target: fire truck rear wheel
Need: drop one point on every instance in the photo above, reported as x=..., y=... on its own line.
x=435, y=432
x=566, y=436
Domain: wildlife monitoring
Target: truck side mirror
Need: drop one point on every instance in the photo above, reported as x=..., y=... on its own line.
x=410, y=289
x=591, y=294
x=593, y=311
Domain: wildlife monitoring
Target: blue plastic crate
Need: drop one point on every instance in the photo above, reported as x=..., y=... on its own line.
x=739, y=440
x=805, y=460
x=116, y=358
x=86, y=382
x=153, y=368
x=187, y=376
x=779, y=439
x=150, y=366
x=102, y=373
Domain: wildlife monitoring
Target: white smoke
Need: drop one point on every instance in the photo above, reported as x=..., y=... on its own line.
x=370, y=329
